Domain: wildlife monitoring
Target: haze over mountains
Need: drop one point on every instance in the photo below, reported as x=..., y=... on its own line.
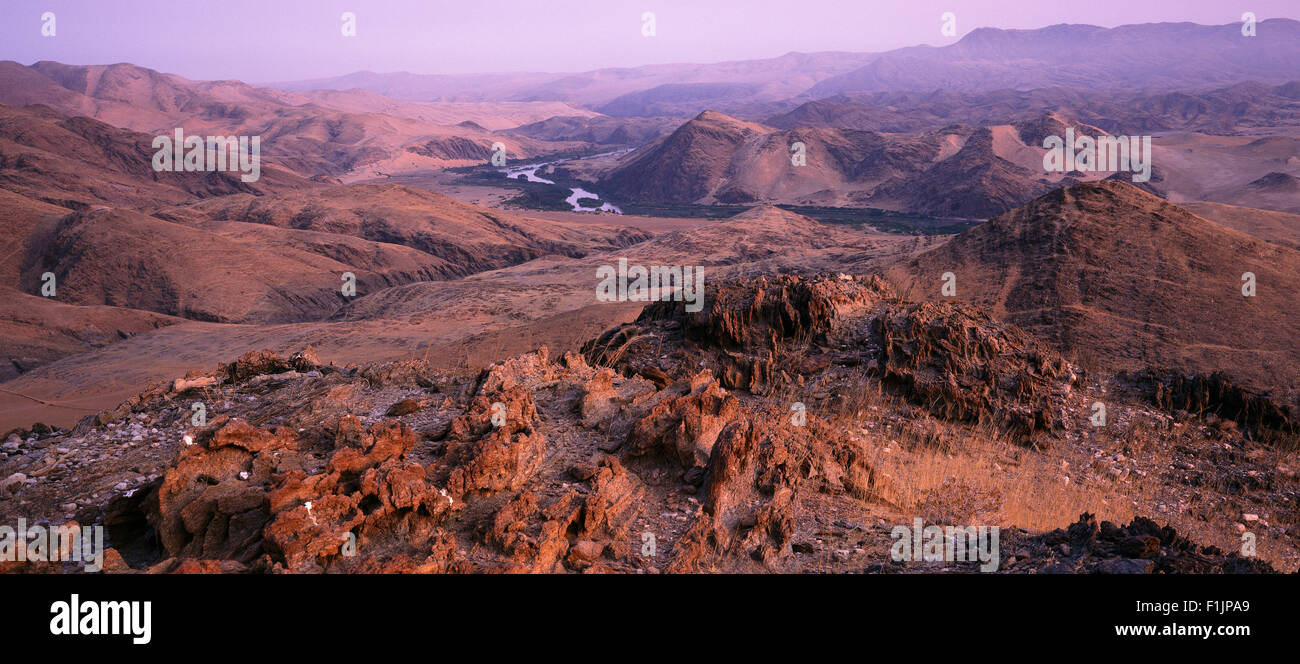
x=334, y=135
x=1164, y=55
x=958, y=148
x=1161, y=55
x=1196, y=80
x=807, y=189
x=1239, y=108
x=881, y=134
x=754, y=80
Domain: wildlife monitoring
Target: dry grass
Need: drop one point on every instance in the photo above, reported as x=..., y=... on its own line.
x=990, y=483
x=967, y=475
x=957, y=474
x=612, y=359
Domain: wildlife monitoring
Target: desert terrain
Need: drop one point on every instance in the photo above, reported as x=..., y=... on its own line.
x=390, y=351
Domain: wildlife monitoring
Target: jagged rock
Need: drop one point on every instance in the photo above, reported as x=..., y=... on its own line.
x=765, y=312
x=964, y=365
x=504, y=473
x=753, y=328
x=262, y=362
x=1217, y=395
x=686, y=427
x=612, y=505
x=314, y=529
x=762, y=335
x=507, y=529
x=204, y=509
x=577, y=524
x=488, y=457
x=349, y=432
x=305, y=359
x=529, y=367
x=607, y=395
x=214, y=504
x=738, y=479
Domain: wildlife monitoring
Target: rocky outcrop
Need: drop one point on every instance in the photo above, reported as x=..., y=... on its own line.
x=210, y=505
x=585, y=530
x=756, y=474
x=1257, y=414
x=964, y=365
x=686, y=427
x=474, y=482
x=256, y=496
x=758, y=331
x=748, y=502
x=494, y=446
x=776, y=335
x=763, y=313
x=266, y=498
x=654, y=463
x=1141, y=547
x=262, y=362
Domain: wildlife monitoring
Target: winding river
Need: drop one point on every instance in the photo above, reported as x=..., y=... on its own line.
x=529, y=173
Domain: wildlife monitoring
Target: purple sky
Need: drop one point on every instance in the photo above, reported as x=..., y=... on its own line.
x=280, y=40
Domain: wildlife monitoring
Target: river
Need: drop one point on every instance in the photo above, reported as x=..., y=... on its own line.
x=529, y=173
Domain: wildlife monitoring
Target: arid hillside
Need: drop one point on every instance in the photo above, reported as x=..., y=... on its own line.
x=319, y=134
x=452, y=321
x=739, y=317
x=1118, y=278
x=78, y=162
x=956, y=171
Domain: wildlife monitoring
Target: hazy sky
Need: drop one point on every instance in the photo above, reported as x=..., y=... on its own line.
x=279, y=40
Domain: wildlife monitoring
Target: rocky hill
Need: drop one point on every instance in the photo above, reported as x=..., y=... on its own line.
x=1108, y=272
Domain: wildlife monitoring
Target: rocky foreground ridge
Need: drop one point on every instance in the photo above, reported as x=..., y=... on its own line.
x=721, y=440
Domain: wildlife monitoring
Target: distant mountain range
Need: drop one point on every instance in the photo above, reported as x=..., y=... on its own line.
x=955, y=170
x=714, y=158
x=946, y=153
x=1145, y=56
x=313, y=134
x=1247, y=107
x=1155, y=56
x=752, y=80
